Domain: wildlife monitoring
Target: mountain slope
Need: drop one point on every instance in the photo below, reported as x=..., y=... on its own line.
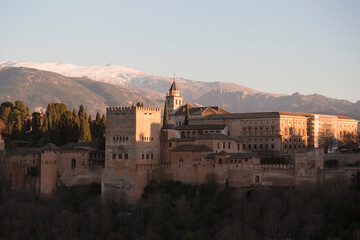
x=315, y=103
x=124, y=76
x=38, y=88
x=133, y=84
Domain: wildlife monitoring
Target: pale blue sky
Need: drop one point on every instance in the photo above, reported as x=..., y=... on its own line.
x=274, y=46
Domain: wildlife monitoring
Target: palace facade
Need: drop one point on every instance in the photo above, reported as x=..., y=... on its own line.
x=247, y=149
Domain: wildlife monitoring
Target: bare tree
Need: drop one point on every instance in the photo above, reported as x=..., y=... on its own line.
x=326, y=138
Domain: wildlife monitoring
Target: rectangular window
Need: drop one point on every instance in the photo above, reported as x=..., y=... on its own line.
x=120, y=155
x=272, y=146
x=147, y=156
x=152, y=156
x=114, y=156
x=218, y=144
x=244, y=146
x=229, y=145
x=257, y=179
x=249, y=146
x=126, y=156
x=238, y=146
x=170, y=144
x=223, y=145
x=142, y=156
x=255, y=146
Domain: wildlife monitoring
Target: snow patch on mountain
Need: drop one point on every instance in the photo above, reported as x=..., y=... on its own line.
x=114, y=74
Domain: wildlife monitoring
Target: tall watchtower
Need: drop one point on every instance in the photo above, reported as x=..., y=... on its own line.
x=132, y=139
x=174, y=98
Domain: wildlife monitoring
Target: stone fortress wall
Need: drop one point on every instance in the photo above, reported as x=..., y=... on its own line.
x=230, y=146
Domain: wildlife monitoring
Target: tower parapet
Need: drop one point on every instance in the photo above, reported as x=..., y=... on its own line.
x=127, y=110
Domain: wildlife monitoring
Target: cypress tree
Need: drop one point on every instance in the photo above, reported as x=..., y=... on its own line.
x=75, y=125
x=166, y=116
x=103, y=124
x=85, y=134
x=96, y=130
x=187, y=115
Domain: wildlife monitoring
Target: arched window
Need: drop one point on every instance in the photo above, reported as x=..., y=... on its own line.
x=182, y=134
x=73, y=163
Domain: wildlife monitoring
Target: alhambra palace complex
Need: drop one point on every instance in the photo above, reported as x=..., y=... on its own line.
x=140, y=147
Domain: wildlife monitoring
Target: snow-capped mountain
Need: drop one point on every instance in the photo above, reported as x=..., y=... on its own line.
x=125, y=76
x=134, y=85
x=118, y=75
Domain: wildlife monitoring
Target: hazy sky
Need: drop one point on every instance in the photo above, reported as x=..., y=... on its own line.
x=275, y=46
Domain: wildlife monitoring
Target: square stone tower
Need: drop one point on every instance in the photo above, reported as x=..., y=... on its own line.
x=174, y=99
x=132, y=139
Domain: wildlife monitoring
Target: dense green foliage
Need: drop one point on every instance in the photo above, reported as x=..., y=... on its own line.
x=13, y=117
x=85, y=134
x=58, y=125
x=173, y=210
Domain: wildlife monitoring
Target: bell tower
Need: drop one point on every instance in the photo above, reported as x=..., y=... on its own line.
x=174, y=99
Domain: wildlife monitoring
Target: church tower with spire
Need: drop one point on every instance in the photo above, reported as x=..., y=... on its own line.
x=174, y=99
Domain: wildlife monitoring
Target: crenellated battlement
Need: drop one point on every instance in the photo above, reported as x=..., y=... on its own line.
x=130, y=110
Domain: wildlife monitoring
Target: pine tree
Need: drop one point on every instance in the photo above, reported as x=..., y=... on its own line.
x=166, y=115
x=85, y=134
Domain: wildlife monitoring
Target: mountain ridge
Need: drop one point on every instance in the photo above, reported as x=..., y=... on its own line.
x=236, y=98
x=37, y=88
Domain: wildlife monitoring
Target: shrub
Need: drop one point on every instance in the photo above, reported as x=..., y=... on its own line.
x=332, y=163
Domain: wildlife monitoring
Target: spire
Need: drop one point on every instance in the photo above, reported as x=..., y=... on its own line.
x=174, y=86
